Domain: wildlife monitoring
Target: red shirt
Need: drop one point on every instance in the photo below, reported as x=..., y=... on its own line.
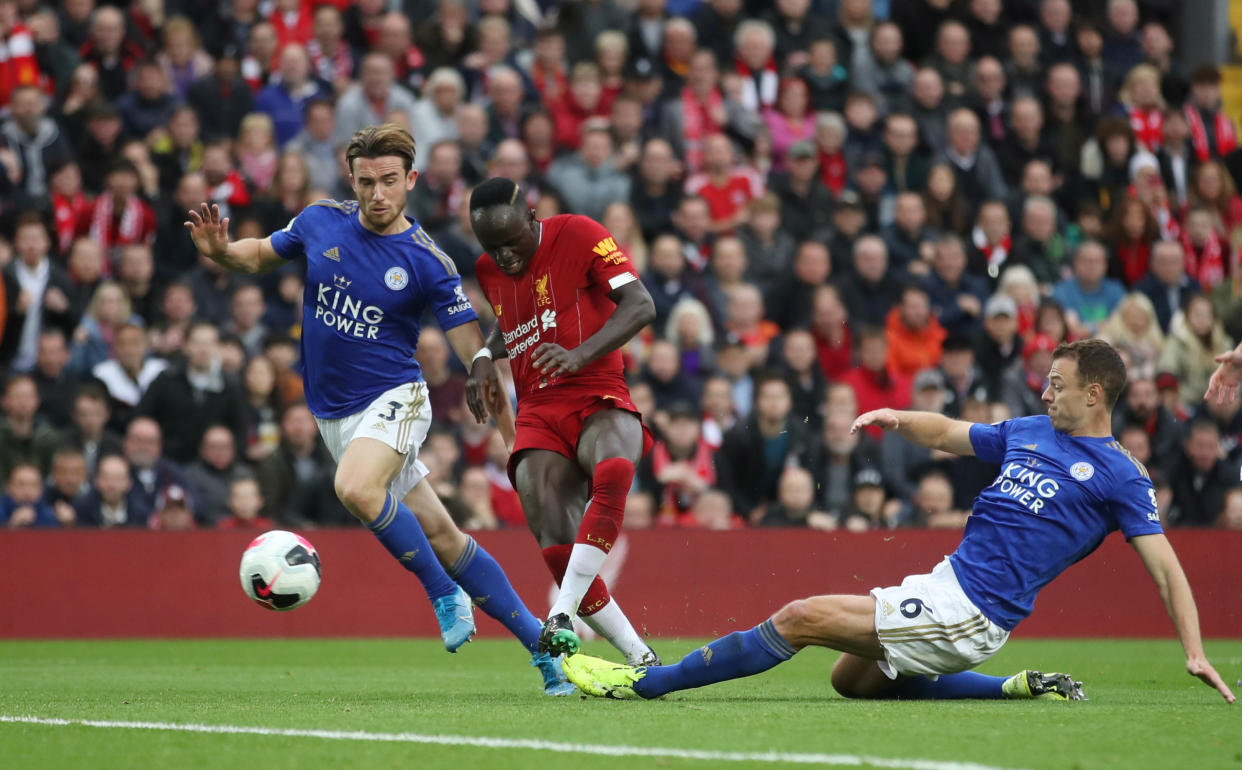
x=562, y=298
x=877, y=391
x=725, y=201
x=18, y=66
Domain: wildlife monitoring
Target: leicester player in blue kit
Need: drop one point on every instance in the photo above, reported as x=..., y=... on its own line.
x=371, y=274
x=1064, y=485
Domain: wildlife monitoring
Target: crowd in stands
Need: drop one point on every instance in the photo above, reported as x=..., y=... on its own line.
x=837, y=205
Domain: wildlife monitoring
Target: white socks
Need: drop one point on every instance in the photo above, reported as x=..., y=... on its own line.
x=584, y=564
x=612, y=624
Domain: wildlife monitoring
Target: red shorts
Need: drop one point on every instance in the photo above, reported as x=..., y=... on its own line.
x=555, y=423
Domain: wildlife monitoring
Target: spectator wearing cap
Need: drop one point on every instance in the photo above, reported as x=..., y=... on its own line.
x=1166, y=283
x=727, y=186
x=174, y=511
x=978, y=172
x=1212, y=132
x=1089, y=294
x=1022, y=388
x=998, y=348
x=903, y=460
x=957, y=297
x=848, y=223
x=37, y=141
x=805, y=200
x=869, y=506
x=1201, y=476
x=759, y=448
x=876, y=384
x=913, y=334
x=871, y=289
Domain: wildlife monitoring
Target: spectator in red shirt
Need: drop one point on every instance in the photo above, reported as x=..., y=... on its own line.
x=831, y=329
x=681, y=464
x=584, y=100
x=876, y=384
x=18, y=66
x=225, y=185
x=69, y=204
x=293, y=22
x=727, y=187
x=118, y=216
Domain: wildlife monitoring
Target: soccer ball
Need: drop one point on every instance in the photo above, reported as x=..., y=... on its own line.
x=280, y=570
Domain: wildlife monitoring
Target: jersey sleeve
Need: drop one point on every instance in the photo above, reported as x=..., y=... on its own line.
x=289, y=242
x=445, y=294
x=603, y=261
x=989, y=441
x=1134, y=505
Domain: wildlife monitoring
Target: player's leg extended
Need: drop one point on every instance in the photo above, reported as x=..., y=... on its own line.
x=610, y=445
x=840, y=622
x=363, y=474
x=475, y=570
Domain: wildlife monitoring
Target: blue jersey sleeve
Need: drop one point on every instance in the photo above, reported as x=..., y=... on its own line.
x=1134, y=506
x=989, y=441
x=288, y=242
x=446, y=296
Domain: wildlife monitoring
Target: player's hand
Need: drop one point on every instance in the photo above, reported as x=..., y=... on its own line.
x=552, y=359
x=209, y=232
x=482, y=377
x=885, y=418
x=1223, y=386
x=1199, y=667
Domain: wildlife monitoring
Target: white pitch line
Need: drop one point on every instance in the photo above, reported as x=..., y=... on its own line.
x=597, y=749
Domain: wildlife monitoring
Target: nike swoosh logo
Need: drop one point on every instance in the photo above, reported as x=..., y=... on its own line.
x=266, y=590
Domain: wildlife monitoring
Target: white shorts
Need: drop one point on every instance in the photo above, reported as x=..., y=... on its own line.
x=928, y=626
x=400, y=418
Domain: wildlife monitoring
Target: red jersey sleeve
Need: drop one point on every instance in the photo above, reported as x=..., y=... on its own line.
x=601, y=260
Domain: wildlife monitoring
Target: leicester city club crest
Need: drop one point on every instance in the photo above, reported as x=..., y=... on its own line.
x=1082, y=470
x=396, y=278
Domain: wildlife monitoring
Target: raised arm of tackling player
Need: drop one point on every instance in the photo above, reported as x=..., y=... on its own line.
x=635, y=309
x=927, y=429
x=211, y=235
x=1166, y=570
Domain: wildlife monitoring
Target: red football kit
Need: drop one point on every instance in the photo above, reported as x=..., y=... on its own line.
x=562, y=298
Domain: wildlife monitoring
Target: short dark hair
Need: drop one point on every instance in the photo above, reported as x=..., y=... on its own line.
x=497, y=191
x=1099, y=363
x=379, y=141
x=1205, y=74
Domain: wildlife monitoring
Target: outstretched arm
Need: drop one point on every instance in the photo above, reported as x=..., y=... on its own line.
x=484, y=392
x=927, y=429
x=1223, y=387
x=1166, y=570
x=635, y=309
x=211, y=236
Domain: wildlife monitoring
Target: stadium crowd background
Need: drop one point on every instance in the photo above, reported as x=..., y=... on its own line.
x=836, y=205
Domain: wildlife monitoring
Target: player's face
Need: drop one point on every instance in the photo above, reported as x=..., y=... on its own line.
x=1066, y=396
x=510, y=241
x=381, y=185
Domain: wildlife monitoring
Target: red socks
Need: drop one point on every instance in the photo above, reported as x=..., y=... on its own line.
x=557, y=559
x=602, y=523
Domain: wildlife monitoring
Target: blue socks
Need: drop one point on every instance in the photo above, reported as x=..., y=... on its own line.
x=477, y=572
x=398, y=530
x=966, y=684
x=741, y=653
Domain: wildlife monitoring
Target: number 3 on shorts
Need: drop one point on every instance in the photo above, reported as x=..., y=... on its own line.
x=393, y=406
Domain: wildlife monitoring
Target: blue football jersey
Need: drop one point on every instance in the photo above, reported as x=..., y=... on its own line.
x=1056, y=498
x=365, y=294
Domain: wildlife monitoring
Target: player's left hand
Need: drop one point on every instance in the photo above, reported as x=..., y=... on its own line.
x=552, y=360
x=482, y=379
x=1199, y=667
x=1223, y=386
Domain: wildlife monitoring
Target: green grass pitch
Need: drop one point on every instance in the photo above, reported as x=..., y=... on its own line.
x=1144, y=711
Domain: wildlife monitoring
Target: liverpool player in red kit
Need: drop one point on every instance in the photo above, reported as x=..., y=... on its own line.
x=566, y=298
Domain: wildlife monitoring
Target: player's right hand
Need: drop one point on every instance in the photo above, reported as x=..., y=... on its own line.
x=209, y=232
x=1223, y=386
x=885, y=418
x=1199, y=667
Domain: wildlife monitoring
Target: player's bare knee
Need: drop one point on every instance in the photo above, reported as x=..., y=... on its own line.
x=364, y=500
x=795, y=620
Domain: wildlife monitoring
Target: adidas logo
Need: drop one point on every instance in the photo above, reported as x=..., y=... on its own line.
x=405, y=557
x=380, y=426
x=1030, y=446
x=341, y=282
x=333, y=254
